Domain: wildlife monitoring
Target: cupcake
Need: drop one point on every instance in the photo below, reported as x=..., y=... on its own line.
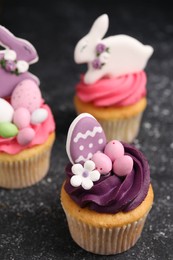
x=27, y=127
x=107, y=193
x=113, y=89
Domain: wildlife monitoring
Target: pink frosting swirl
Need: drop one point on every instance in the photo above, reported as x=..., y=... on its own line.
x=42, y=132
x=117, y=91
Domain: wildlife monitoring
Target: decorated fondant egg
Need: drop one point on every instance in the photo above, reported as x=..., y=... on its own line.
x=39, y=116
x=26, y=94
x=21, y=117
x=6, y=111
x=102, y=162
x=85, y=138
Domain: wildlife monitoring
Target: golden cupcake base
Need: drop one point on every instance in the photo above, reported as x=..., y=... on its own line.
x=27, y=167
x=121, y=123
x=125, y=130
x=102, y=233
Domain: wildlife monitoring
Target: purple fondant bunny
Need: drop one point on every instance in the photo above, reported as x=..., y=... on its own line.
x=14, y=61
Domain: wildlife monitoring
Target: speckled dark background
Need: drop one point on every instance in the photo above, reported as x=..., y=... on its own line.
x=32, y=222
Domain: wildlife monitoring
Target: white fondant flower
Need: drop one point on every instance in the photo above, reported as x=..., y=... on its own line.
x=10, y=55
x=84, y=175
x=22, y=66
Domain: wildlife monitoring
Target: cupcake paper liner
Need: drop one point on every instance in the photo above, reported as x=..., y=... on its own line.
x=105, y=241
x=124, y=130
x=24, y=172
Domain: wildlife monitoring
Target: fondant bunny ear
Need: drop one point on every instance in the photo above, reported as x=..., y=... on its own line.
x=85, y=138
x=24, y=49
x=100, y=27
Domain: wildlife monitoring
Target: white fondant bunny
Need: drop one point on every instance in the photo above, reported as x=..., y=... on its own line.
x=112, y=56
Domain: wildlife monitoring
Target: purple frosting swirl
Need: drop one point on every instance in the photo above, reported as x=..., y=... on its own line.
x=112, y=194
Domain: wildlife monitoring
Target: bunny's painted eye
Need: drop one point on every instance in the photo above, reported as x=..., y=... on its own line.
x=27, y=49
x=83, y=48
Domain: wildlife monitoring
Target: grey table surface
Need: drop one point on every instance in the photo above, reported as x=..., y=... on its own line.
x=32, y=222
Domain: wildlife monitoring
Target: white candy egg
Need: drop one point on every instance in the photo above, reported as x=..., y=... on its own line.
x=39, y=116
x=6, y=111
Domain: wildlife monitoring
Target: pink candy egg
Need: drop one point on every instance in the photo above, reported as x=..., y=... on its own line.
x=26, y=94
x=21, y=117
x=114, y=150
x=25, y=136
x=123, y=165
x=102, y=162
